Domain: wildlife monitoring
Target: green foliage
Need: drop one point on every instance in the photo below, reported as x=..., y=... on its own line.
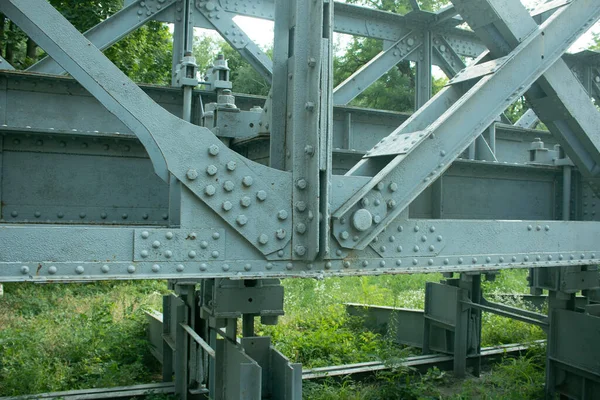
x=145, y=55
x=63, y=337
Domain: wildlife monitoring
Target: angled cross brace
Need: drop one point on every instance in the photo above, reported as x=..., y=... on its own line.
x=249, y=197
x=408, y=246
x=558, y=97
x=222, y=21
x=111, y=30
x=418, y=152
x=360, y=80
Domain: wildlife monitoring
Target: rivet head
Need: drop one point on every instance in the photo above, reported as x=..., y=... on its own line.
x=213, y=150
x=241, y=220
x=231, y=165
x=203, y=244
x=301, y=184
x=156, y=244
x=145, y=235
x=430, y=261
x=346, y=264
x=227, y=205
x=393, y=187
x=328, y=265
x=228, y=186
x=416, y=248
x=282, y=215
x=263, y=239
x=529, y=227
x=131, y=269
x=247, y=181
x=191, y=174
x=245, y=201
x=261, y=195
x=79, y=269
x=169, y=235
x=488, y=259
x=52, y=270
x=168, y=254
x=300, y=228
x=300, y=250
x=144, y=253
x=180, y=267
x=24, y=269
x=203, y=267
x=192, y=254
x=210, y=190
x=210, y=170
x=362, y=219
x=155, y=268
x=214, y=254
x=365, y=263
x=247, y=267
x=225, y=267
x=301, y=206
x=289, y=266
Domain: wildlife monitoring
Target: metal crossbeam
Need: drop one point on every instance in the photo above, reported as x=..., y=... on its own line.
x=409, y=246
x=111, y=30
x=430, y=140
x=366, y=75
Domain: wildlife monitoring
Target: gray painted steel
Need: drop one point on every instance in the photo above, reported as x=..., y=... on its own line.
x=103, y=179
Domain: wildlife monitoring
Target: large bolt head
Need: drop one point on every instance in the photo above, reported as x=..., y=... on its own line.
x=362, y=220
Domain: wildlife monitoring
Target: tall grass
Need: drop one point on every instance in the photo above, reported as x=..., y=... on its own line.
x=71, y=336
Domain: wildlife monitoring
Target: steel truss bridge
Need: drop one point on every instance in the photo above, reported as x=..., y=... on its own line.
x=222, y=195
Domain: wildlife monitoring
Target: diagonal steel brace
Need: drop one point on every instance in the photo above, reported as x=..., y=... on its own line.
x=438, y=133
x=252, y=199
x=111, y=30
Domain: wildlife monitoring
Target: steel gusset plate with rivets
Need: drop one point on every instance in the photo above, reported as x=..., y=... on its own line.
x=167, y=245
x=404, y=238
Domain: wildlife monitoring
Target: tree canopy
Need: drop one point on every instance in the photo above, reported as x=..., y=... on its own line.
x=144, y=55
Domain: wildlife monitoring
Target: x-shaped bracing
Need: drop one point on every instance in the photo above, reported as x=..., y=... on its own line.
x=527, y=60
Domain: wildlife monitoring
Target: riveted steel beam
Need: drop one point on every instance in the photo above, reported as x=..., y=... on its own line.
x=308, y=116
x=112, y=29
x=251, y=198
x=366, y=75
x=47, y=254
x=421, y=149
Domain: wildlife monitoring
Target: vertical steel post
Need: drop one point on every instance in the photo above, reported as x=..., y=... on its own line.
x=308, y=122
x=281, y=41
x=423, y=84
x=566, y=193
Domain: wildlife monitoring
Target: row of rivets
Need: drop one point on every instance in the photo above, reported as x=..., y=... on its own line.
x=82, y=215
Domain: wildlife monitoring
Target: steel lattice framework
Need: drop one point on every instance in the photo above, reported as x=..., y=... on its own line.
x=105, y=179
